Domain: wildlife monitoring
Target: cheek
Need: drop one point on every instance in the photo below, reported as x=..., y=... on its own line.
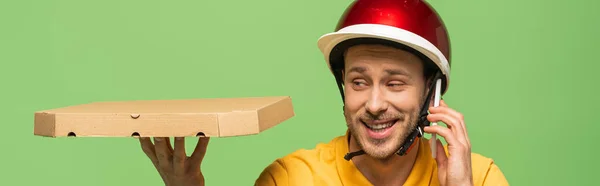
x=355, y=101
x=405, y=100
x=354, y=105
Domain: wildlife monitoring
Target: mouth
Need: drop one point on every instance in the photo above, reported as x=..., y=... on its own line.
x=379, y=129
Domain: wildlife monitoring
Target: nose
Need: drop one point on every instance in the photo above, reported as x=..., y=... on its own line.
x=376, y=104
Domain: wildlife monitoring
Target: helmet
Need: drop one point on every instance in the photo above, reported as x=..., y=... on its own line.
x=411, y=25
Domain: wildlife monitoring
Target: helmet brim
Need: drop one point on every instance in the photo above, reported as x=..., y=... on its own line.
x=328, y=42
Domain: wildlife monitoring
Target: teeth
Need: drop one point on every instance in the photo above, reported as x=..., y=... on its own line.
x=379, y=127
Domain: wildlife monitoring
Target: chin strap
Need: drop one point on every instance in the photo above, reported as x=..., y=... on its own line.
x=414, y=136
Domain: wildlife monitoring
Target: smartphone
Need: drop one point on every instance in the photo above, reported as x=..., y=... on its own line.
x=436, y=102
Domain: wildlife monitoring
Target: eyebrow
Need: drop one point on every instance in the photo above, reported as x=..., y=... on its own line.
x=397, y=72
x=357, y=69
x=388, y=71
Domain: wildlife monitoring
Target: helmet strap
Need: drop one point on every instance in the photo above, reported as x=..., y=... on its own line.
x=339, y=79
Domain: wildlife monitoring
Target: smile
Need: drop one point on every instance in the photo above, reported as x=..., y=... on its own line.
x=379, y=129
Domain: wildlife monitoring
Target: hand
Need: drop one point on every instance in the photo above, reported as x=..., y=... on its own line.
x=455, y=169
x=173, y=165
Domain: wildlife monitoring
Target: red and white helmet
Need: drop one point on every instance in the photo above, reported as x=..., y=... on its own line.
x=409, y=24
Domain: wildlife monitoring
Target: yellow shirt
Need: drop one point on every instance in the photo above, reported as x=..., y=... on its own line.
x=325, y=166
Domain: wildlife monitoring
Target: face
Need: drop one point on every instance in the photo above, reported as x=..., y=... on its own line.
x=384, y=89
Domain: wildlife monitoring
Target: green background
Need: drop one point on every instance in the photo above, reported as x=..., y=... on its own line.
x=522, y=75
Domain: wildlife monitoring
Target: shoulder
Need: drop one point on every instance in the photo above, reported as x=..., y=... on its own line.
x=321, y=154
x=301, y=163
x=486, y=171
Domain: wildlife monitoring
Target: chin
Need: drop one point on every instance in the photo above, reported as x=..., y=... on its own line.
x=378, y=148
x=379, y=151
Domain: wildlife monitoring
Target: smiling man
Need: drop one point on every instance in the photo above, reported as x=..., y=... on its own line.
x=388, y=57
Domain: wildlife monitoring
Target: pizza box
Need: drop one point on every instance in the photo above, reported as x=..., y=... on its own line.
x=209, y=117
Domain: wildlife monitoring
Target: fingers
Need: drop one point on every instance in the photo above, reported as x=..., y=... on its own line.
x=455, y=114
x=163, y=152
x=199, y=151
x=441, y=156
x=452, y=118
x=443, y=108
x=179, y=156
x=148, y=149
x=453, y=124
x=174, y=160
x=179, y=151
x=169, y=147
x=444, y=132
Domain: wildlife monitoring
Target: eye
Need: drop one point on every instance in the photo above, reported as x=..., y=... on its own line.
x=396, y=84
x=359, y=83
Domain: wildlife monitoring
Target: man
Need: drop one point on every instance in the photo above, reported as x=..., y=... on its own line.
x=389, y=57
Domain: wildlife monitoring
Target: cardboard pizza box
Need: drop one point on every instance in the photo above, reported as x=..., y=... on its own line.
x=210, y=117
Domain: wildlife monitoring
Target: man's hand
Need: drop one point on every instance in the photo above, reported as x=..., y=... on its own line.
x=173, y=165
x=456, y=169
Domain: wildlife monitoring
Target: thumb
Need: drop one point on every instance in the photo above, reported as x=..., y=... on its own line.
x=441, y=158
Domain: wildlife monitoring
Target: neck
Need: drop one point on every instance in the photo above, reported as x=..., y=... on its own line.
x=391, y=171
